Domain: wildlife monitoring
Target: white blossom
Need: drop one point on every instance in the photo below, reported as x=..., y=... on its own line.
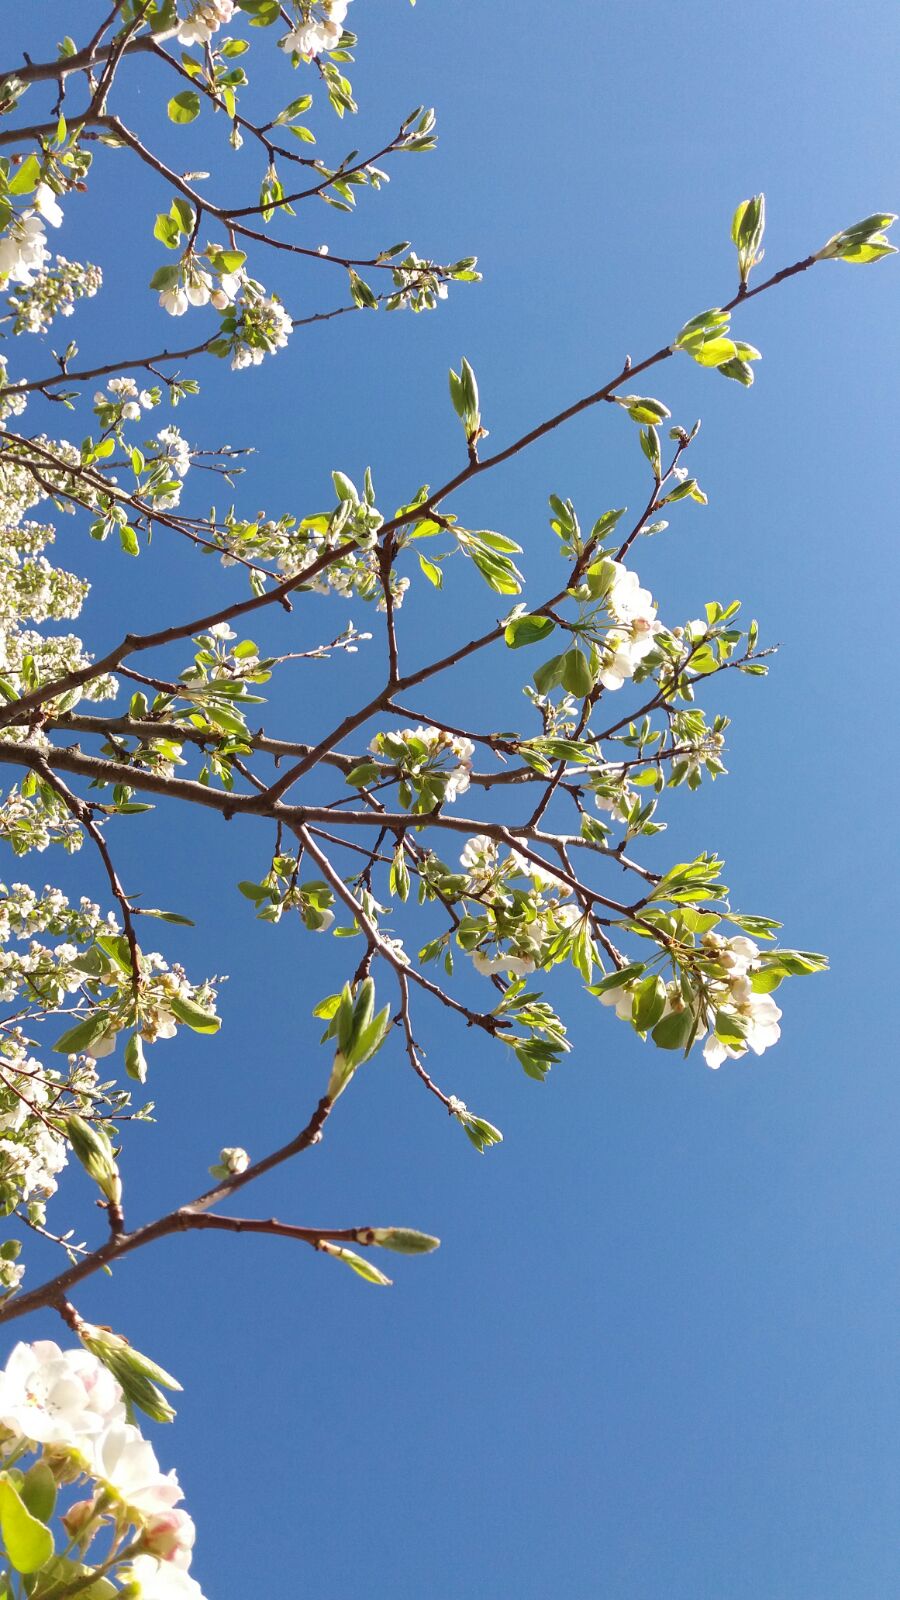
x=517, y=966
x=318, y=33
x=124, y=1462
x=59, y=1397
x=23, y=249
x=160, y=1580
x=203, y=18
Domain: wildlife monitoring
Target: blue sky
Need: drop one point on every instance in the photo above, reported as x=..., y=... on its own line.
x=655, y=1356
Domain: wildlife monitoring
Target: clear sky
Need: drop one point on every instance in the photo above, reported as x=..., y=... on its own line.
x=655, y=1358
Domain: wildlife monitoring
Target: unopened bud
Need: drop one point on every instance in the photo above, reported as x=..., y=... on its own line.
x=78, y=1520
x=406, y=1241
x=234, y=1159
x=169, y=1536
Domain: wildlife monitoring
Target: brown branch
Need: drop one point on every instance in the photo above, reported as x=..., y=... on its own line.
x=181, y=1220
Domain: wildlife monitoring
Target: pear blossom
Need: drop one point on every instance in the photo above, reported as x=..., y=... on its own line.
x=53, y=292
x=480, y=857
x=260, y=327
x=170, y=1536
x=23, y=249
x=517, y=966
x=234, y=1159
x=625, y=597
x=159, y=1580
x=316, y=34
x=47, y=205
x=175, y=301
x=622, y=998
x=58, y=1397
x=541, y=876
x=204, y=18
x=761, y=1017
x=124, y=1462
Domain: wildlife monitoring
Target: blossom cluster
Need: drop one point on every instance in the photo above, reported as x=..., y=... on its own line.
x=67, y=1409
x=320, y=29
x=626, y=645
x=12, y=400
x=435, y=763
x=741, y=1017
x=256, y=326
x=193, y=285
x=30, y=588
x=52, y=292
x=517, y=926
x=754, y=1015
x=198, y=20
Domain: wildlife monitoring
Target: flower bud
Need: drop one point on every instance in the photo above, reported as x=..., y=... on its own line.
x=78, y=1520
x=169, y=1536
x=234, y=1159
x=406, y=1241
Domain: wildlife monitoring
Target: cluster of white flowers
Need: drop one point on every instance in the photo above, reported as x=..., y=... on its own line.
x=161, y=985
x=125, y=401
x=196, y=287
x=416, y=285
x=12, y=400
x=175, y=450
x=481, y=858
x=261, y=326
x=32, y=1152
x=729, y=987
x=23, y=249
x=66, y=1406
x=422, y=753
x=23, y=244
x=28, y=823
x=52, y=292
x=491, y=880
x=611, y=790
x=198, y=20
x=734, y=993
x=48, y=660
x=31, y=589
x=626, y=646
x=23, y=913
x=319, y=30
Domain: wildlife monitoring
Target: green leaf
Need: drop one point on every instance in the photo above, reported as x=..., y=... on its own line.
x=649, y=1003
x=358, y=1264
x=167, y=231
x=128, y=539
x=135, y=1060
x=673, y=1032
x=365, y=772
x=641, y=408
x=38, y=1491
x=262, y=13
x=26, y=178
x=432, y=573
x=576, y=673
x=83, y=1034
x=28, y=1543
x=184, y=107
x=194, y=1016
x=527, y=630
x=548, y=675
